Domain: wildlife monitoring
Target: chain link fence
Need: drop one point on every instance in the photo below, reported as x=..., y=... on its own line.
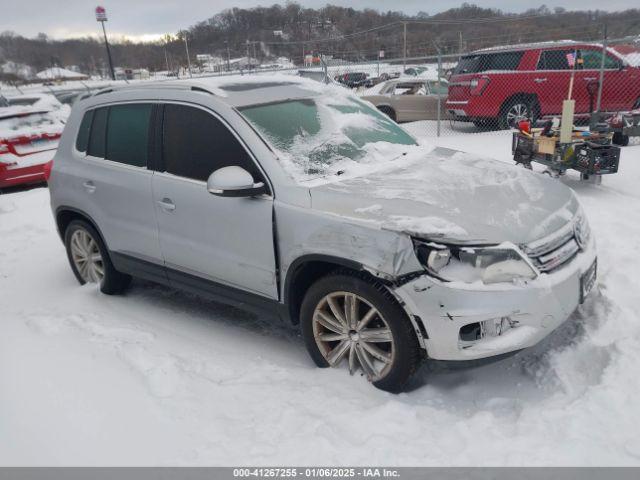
x=493, y=88
x=486, y=89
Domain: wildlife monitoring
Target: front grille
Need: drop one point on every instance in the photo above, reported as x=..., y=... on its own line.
x=553, y=251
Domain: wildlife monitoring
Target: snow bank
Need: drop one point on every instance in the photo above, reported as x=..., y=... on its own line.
x=160, y=377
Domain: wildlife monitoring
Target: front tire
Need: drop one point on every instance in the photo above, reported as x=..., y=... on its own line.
x=89, y=258
x=348, y=320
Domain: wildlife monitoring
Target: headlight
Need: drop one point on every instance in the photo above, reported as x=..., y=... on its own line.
x=474, y=264
x=581, y=229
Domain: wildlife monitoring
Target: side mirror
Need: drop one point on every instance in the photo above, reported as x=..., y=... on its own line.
x=234, y=182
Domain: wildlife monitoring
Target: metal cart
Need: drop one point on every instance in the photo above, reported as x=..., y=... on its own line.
x=591, y=154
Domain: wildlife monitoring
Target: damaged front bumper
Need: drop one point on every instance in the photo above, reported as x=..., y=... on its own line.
x=469, y=322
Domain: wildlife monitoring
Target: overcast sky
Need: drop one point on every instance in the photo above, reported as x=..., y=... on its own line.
x=149, y=19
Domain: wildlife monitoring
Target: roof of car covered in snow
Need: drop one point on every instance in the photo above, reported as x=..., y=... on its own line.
x=238, y=90
x=533, y=46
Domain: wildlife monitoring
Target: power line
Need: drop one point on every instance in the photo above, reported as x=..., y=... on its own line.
x=434, y=21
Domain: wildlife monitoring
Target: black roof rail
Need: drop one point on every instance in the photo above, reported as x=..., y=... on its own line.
x=105, y=90
x=200, y=89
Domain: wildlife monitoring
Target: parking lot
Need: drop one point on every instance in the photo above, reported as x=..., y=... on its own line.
x=162, y=377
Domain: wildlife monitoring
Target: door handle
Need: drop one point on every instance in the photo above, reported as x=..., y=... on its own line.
x=89, y=186
x=167, y=205
x=539, y=80
x=590, y=79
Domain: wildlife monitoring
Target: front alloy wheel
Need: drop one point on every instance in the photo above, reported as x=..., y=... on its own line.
x=348, y=328
x=350, y=320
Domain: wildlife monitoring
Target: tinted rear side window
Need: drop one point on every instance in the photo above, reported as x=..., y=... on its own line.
x=489, y=61
x=128, y=134
x=501, y=61
x=82, y=140
x=468, y=64
x=554, y=60
x=97, y=141
x=195, y=144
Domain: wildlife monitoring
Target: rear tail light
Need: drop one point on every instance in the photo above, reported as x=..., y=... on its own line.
x=4, y=161
x=47, y=169
x=478, y=85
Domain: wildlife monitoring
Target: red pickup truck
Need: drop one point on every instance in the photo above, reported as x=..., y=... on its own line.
x=502, y=85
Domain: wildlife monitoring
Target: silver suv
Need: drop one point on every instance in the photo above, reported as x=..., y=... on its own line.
x=282, y=194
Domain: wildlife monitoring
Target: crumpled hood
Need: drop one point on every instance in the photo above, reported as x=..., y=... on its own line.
x=451, y=196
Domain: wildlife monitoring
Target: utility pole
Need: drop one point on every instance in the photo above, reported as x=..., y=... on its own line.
x=186, y=47
x=166, y=59
x=254, y=51
x=101, y=16
x=601, y=79
x=404, y=58
x=460, y=47
x=226, y=42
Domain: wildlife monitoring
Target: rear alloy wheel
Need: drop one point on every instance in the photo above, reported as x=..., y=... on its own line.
x=516, y=111
x=86, y=256
x=350, y=322
x=89, y=258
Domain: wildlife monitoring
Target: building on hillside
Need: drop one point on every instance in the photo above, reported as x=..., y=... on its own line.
x=59, y=73
x=211, y=63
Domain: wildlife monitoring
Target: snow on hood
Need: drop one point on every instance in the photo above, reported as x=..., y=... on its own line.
x=452, y=196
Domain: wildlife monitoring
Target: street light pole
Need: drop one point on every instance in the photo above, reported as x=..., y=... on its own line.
x=101, y=16
x=186, y=47
x=404, y=58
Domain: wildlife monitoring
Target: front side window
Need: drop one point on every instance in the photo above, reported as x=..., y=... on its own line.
x=411, y=88
x=593, y=58
x=438, y=88
x=195, y=144
x=319, y=136
x=128, y=134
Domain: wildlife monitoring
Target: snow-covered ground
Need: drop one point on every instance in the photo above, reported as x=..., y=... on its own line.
x=159, y=377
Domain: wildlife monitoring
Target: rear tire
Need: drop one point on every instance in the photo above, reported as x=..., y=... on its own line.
x=389, y=112
x=399, y=347
x=89, y=258
x=518, y=109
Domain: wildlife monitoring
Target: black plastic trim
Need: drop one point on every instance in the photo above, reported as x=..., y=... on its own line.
x=63, y=208
x=301, y=261
x=139, y=268
x=191, y=283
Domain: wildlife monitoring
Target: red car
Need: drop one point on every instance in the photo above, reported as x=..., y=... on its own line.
x=29, y=136
x=503, y=85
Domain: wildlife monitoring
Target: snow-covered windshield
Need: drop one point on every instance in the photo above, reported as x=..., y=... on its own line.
x=325, y=135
